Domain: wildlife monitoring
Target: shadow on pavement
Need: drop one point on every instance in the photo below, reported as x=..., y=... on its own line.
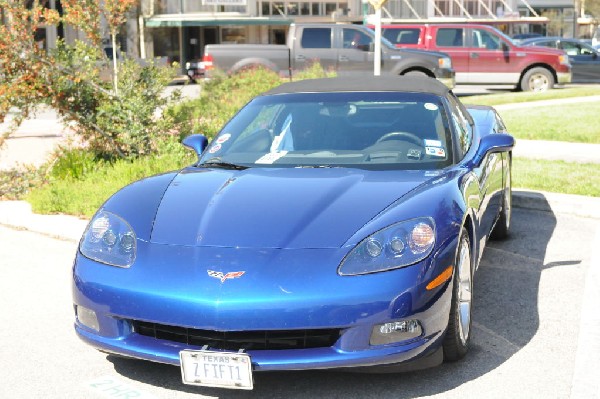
x=505, y=319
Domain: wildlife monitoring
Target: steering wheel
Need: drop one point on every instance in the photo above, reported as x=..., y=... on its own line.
x=413, y=138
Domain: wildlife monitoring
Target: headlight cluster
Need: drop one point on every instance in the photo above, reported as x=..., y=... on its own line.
x=445, y=62
x=109, y=239
x=396, y=246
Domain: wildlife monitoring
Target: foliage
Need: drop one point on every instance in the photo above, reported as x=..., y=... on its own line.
x=224, y=95
x=16, y=183
x=112, y=123
x=78, y=184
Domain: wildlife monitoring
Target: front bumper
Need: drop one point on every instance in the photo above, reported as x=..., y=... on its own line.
x=563, y=77
x=303, y=299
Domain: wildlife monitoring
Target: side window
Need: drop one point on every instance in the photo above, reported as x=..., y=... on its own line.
x=449, y=37
x=401, y=35
x=462, y=125
x=548, y=43
x=316, y=38
x=570, y=48
x=484, y=39
x=356, y=39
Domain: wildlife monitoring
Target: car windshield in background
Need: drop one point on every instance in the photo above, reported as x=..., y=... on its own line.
x=371, y=130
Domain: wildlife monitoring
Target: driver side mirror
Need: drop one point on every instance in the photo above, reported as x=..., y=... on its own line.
x=196, y=142
x=498, y=142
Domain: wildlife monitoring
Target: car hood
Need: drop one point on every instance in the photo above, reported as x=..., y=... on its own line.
x=539, y=50
x=275, y=208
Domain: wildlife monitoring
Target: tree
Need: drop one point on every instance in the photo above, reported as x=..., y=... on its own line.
x=113, y=119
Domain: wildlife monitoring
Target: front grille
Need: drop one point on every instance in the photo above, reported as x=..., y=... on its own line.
x=234, y=340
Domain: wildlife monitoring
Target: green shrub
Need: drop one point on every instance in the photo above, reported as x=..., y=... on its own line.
x=76, y=188
x=224, y=95
x=17, y=182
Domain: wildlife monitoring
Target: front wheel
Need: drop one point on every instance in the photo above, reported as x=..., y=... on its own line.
x=537, y=80
x=458, y=334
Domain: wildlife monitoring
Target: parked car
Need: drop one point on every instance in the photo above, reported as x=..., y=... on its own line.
x=332, y=223
x=346, y=49
x=482, y=54
x=584, y=58
x=518, y=38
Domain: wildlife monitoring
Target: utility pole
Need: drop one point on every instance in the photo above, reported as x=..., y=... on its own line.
x=377, y=4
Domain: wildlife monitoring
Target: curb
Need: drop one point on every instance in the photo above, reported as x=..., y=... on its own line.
x=18, y=214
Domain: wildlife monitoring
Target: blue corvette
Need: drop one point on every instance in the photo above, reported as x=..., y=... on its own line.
x=330, y=224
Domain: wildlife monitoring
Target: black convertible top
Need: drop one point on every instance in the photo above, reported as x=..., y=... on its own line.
x=366, y=83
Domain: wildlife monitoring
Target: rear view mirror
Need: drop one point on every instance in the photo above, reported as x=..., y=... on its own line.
x=493, y=143
x=196, y=142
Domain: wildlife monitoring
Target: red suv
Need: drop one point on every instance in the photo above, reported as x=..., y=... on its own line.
x=482, y=54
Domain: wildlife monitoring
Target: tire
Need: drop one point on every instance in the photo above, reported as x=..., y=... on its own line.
x=537, y=80
x=502, y=226
x=458, y=335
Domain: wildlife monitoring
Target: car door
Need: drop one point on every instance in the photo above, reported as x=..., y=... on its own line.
x=490, y=58
x=488, y=174
x=584, y=59
x=314, y=44
x=354, y=51
x=451, y=40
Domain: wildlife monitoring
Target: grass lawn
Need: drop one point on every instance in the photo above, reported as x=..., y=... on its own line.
x=521, y=97
x=557, y=176
x=578, y=123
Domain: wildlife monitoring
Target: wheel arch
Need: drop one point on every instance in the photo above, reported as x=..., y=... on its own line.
x=538, y=65
x=420, y=69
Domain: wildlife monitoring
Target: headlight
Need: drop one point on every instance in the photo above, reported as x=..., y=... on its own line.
x=445, y=62
x=564, y=59
x=109, y=239
x=396, y=246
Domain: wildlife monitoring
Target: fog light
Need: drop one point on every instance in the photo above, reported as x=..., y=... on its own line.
x=395, y=331
x=88, y=318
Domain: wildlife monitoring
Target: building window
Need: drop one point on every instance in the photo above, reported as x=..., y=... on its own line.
x=233, y=35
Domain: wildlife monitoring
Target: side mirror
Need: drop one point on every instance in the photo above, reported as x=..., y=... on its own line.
x=493, y=143
x=196, y=142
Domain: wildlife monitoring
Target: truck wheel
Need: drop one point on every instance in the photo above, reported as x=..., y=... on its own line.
x=537, y=79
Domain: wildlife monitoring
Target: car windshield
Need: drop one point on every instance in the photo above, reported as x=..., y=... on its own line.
x=371, y=130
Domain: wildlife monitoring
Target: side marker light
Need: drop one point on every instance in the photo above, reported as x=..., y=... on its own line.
x=441, y=278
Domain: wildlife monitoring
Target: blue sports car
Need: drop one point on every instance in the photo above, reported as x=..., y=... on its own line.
x=331, y=223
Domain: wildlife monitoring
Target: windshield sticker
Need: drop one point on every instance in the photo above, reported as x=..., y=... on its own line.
x=432, y=143
x=222, y=139
x=431, y=107
x=215, y=148
x=271, y=157
x=415, y=154
x=435, y=151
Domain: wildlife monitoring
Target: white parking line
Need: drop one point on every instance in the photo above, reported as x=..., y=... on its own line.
x=113, y=387
x=586, y=383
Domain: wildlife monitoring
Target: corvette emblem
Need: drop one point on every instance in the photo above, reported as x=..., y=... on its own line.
x=224, y=277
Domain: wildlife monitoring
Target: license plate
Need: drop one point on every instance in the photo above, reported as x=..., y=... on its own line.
x=216, y=369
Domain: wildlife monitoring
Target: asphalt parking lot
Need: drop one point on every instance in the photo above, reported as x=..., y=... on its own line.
x=531, y=337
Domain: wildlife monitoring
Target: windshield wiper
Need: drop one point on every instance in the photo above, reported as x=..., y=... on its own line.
x=217, y=162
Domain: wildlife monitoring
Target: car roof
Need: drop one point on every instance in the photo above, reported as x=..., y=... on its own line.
x=411, y=84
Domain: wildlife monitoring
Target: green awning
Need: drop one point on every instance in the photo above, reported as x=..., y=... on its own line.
x=183, y=20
